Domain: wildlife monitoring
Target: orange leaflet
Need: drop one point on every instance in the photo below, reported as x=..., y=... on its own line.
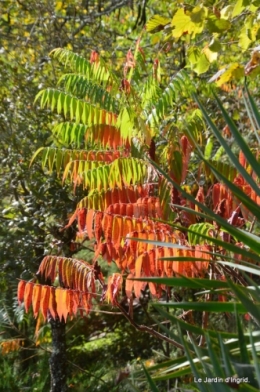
x=43, y=267
x=64, y=273
x=152, y=265
x=202, y=265
x=60, y=261
x=51, y=272
x=138, y=287
x=28, y=295
x=129, y=284
x=200, y=195
x=45, y=300
x=140, y=208
x=130, y=262
x=129, y=209
x=139, y=224
x=116, y=208
x=70, y=302
x=131, y=194
x=36, y=299
x=177, y=265
x=117, y=231
x=112, y=197
x=133, y=244
x=82, y=219
x=113, y=287
x=108, y=198
x=71, y=220
x=85, y=302
x=151, y=237
x=89, y=224
x=76, y=302
x=89, y=281
x=109, y=250
x=98, y=226
x=142, y=246
x=128, y=226
x=122, y=210
x=168, y=252
x=61, y=301
x=92, y=285
x=159, y=263
x=146, y=264
x=138, y=266
x=20, y=291
x=242, y=159
x=122, y=196
x=52, y=303
x=152, y=288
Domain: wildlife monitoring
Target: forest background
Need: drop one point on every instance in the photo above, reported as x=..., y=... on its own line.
x=145, y=44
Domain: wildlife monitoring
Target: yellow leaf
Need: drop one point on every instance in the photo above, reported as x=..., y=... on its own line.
x=59, y=5
x=233, y=72
x=157, y=23
x=193, y=54
x=239, y=7
x=155, y=39
x=188, y=22
x=211, y=56
x=244, y=41
x=226, y=12
x=202, y=65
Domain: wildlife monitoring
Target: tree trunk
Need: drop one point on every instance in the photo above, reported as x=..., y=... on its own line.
x=58, y=357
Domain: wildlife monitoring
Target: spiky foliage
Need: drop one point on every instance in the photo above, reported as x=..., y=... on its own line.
x=221, y=360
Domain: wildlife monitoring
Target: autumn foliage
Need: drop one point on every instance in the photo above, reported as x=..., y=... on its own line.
x=127, y=207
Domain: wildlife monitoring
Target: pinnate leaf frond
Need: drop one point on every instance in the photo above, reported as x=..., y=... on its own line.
x=69, y=133
x=121, y=172
x=72, y=273
x=101, y=200
x=73, y=108
x=77, y=281
x=55, y=301
x=105, y=135
x=74, y=162
x=93, y=71
x=100, y=136
x=81, y=87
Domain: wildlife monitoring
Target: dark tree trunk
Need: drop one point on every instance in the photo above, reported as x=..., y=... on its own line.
x=58, y=357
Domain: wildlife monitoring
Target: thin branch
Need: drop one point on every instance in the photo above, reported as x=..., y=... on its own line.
x=94, y=15
x=252, y=225
x=151, y=331
x=86, y=371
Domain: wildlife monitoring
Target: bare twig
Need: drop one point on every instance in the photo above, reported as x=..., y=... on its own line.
x=252, y=225
x=94, y=15
x=151, y=331
x=86, y=371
